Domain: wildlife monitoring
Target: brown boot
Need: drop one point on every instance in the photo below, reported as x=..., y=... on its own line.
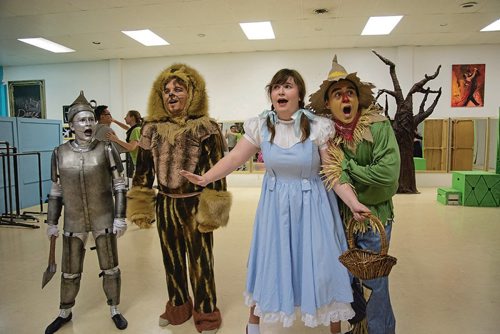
x=207, y=323
x=176, y=315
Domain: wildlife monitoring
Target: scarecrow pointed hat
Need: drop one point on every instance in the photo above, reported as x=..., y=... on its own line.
x=364, y=89
x=80, y=104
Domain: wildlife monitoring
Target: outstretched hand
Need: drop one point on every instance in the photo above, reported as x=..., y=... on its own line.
x=194, y=178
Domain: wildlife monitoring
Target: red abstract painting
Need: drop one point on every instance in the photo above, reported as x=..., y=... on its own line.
x=467, y=85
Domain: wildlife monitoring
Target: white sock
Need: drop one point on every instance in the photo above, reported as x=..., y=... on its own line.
x=114, y=310
x=64, y=312
x=253, y=329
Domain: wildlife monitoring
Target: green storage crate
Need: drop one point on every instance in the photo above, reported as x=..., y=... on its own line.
x=449, y=196
x=478, y=188
x=420, y=163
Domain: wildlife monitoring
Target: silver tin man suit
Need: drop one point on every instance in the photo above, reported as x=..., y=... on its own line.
x=88, y=177
x=85, y=175
x=88, y=186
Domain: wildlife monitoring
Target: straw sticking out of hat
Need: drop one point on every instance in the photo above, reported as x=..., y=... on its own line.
x=337, y=73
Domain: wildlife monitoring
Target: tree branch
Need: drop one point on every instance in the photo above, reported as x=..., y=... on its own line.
x=382, y=91
x=398, y=93
x=419, y=86
x=423, y=114
x=386, y=109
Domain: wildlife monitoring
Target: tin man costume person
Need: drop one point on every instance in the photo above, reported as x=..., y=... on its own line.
x=179, y=135
x=365, y=154
x=86, y=173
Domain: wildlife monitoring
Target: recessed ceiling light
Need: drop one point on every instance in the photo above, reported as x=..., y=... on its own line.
x=96, y=42
x=201, y=35
x=46, y=45
x=495, y=26
x=258, y=30
x=381, y=25
x=146, y=37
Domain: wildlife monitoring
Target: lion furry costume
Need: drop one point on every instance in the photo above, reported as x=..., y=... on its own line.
x=186, y=213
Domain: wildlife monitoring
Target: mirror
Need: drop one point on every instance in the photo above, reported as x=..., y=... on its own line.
x=458, y=144
x=493, y=157
x=232, y=131
x=480, y=144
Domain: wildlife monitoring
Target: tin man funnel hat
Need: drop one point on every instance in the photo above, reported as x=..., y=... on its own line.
x=80, y=104
x=337, y=73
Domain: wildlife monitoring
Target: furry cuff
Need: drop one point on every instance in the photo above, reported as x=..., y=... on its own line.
x=141, y=206
x=207, y=321
x=177, y=315
x=213, y=209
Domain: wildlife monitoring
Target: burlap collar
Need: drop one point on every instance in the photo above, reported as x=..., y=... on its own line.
x=361, y=129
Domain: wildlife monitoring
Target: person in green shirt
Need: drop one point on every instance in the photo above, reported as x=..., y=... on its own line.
x=232, y=137
x=364, y=153
x=131, y=143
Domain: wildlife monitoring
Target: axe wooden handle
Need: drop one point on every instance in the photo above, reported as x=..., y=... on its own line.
x=52, y=252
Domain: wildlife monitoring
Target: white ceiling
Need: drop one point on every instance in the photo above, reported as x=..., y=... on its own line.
x=78, y=24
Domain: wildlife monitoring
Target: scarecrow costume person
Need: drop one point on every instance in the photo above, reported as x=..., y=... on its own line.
x=179, y=135
x=86, y=174
x=363, y=153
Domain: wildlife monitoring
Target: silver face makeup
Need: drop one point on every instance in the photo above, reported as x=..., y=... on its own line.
x=83, y=125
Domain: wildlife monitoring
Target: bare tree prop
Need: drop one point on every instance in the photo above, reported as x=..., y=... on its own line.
x=405, y=122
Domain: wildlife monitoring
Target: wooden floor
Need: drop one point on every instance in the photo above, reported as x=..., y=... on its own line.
x=446, y=280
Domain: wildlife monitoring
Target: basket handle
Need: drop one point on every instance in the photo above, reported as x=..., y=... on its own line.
x=373, y=220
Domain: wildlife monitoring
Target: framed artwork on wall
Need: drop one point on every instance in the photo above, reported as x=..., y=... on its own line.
x=67, y=133
x=467, y=85
x=65, y=113
x=27, y=98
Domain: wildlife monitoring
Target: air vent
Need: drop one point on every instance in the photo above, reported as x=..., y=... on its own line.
x=320, y=11
x=469, y=4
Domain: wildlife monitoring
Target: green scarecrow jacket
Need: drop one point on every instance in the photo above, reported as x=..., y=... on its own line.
x=370, y=163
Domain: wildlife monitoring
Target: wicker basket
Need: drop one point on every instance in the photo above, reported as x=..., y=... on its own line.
x=366, y=264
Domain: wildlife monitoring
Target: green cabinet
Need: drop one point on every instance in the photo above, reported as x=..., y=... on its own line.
x=478, y=188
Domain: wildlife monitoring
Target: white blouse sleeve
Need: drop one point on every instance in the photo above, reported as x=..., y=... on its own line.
x=322, y=130
x=252, y=130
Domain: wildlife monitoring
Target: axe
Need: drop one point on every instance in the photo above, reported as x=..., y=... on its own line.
x=51, y=268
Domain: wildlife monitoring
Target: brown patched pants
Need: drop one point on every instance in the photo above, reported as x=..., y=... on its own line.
x=181, y=242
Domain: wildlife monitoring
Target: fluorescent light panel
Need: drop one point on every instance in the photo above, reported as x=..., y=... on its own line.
x=146, y=37
x=46, y=44
x=495, y=26
x=381, y=25
x=258, y=30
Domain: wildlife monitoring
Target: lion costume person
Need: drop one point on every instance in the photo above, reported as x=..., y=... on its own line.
x=179, y=135
x=365, y=154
